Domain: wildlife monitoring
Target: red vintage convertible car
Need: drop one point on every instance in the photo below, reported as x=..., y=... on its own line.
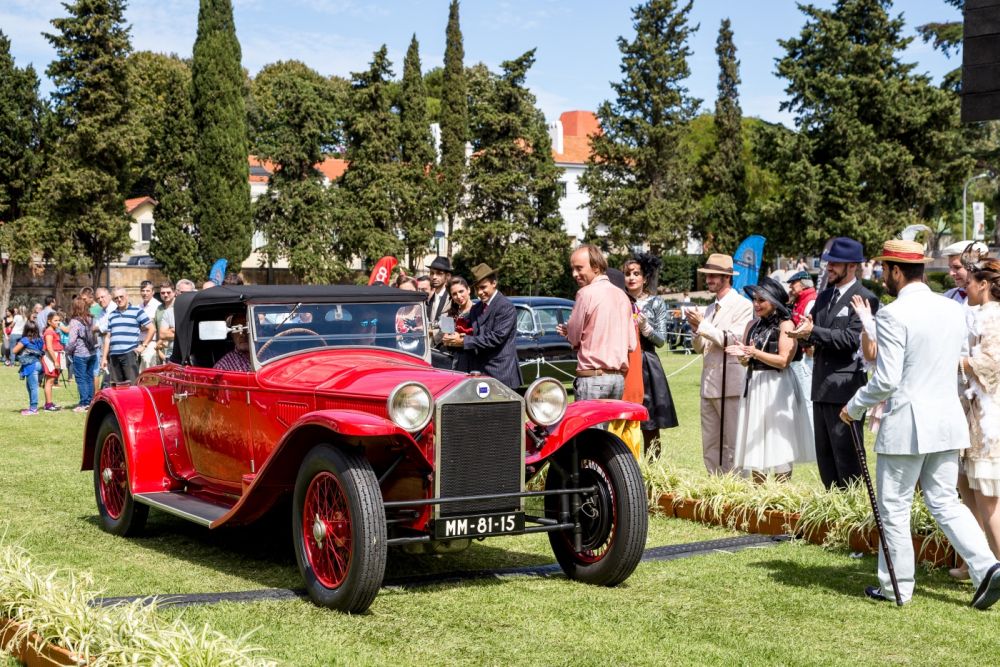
x=337, y=405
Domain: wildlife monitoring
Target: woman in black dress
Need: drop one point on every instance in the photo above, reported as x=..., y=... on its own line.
x=641, y=272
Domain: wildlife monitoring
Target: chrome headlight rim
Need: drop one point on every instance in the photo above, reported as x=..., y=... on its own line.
x=528, y=404
x=430, y=406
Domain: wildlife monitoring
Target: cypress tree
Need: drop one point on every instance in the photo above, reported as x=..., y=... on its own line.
x=221, y=186
x=638, y=178
x=369, y=188
x=878, y=145
x=82, y=195
x=723, y=224
x=512, y=219
x=20, y=136
x=162, y=120
x=454, y=123
x=416, y=205
x=295, y=115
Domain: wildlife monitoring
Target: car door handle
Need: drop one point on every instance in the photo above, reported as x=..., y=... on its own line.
x=179, y=396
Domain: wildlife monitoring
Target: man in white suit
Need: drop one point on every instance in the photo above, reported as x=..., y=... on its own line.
x=724, y=323
x=923, y=427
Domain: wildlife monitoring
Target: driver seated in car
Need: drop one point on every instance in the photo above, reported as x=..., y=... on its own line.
x=237, y=359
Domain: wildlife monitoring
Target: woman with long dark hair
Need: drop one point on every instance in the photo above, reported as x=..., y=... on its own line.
x=641, y=274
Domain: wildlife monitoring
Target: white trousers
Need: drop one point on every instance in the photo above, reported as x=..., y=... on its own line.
x=938, y=475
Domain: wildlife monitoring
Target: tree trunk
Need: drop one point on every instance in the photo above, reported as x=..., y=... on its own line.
x=6, y=284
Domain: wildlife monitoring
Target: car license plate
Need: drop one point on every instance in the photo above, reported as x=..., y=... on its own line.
x=507, y=523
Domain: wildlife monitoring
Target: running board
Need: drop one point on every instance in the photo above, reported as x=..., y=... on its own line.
x=202, y=512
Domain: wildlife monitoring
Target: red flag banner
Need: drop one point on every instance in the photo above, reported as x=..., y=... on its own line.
x=383, y=270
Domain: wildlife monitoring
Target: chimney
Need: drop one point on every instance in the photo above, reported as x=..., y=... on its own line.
x=556, y=134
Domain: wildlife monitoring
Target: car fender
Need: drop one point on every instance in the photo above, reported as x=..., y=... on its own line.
x=136, y=415
x=581, y=415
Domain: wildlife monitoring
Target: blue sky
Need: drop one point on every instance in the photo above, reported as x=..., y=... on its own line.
x=577, y=53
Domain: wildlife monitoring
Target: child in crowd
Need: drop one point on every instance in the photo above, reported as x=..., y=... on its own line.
x=52, y=361
x=28, y=351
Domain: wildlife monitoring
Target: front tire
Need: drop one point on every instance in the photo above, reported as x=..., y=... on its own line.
x=614, y=520
x=338, y=528
x=120, y=514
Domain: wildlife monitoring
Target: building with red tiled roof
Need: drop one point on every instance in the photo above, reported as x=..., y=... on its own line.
x=571, y=150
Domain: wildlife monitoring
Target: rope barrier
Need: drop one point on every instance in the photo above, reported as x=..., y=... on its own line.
x=538, y=361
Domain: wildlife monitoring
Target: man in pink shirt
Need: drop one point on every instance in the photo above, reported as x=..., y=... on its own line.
x=600, y=328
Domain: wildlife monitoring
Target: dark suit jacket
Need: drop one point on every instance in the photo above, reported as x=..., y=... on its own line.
x=836, y=337
x=491, y=349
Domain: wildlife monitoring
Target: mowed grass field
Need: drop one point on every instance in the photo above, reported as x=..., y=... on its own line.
x=790, y=604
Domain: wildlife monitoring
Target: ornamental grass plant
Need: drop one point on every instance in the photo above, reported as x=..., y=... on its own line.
x=58, y=607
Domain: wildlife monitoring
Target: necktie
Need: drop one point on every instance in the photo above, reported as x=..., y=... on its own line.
x=961, y=293
x=715, y=313
x=836, y=297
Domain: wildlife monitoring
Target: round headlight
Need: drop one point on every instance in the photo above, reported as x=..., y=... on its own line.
x=410, y=405
x=545, y=401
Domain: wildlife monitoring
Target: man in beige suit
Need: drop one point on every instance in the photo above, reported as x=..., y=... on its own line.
x=723, y=323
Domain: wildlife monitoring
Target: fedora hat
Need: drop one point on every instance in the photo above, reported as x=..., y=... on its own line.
x=719, y=263
x=441, y=264
x=770, y=290
x=903, y=252
x=481, y=272
x=844, y=250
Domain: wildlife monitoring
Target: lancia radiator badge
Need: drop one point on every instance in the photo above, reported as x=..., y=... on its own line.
x=482, y=390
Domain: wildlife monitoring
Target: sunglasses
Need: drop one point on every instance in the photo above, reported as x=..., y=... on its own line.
x=370, y=323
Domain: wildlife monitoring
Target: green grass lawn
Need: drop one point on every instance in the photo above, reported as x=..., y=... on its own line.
x=789, y=604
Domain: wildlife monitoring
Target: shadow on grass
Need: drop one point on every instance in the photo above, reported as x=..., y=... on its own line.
x=850, y=578
x=262, y=552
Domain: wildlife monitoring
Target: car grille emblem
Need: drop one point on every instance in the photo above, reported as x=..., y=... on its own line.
x=482, y=390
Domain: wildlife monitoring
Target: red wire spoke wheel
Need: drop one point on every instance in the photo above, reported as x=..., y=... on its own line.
x=339, y=529
x=114, y=478
x=119, y=513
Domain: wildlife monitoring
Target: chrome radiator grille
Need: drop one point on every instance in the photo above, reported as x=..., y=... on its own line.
x=480, y=452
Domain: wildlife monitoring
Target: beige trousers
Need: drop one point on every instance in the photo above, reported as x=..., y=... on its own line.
x=711, y=424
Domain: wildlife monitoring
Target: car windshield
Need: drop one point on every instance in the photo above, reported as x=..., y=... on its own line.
x=290, y=328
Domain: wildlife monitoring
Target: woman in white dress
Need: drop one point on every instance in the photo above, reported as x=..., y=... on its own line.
x=774, y=430
x=981, y=372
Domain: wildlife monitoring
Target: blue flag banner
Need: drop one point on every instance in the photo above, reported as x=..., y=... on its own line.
x=746, y=261
x=218, y=271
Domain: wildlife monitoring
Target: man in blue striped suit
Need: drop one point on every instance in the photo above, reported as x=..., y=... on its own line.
x=491, y=348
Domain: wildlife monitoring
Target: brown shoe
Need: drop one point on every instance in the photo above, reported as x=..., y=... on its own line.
x=960, y=573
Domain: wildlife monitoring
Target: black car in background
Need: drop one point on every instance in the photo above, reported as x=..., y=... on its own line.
x=540, y=350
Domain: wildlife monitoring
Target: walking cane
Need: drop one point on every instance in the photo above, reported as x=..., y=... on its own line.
x=862, y=459
x=722, y=409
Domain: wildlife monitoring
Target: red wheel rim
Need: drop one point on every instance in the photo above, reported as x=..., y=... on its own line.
x=113, y=476
x=326, y=530
x=596, y=546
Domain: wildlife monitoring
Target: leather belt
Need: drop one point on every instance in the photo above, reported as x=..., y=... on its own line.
x=596, y=372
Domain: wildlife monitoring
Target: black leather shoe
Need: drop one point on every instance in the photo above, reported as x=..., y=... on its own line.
x=989, y=589
x=875, y=593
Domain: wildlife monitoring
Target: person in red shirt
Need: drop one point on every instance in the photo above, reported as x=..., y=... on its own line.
x=803, y=293
x=52, y=361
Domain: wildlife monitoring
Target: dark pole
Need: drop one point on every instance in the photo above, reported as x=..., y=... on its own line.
x=860, y=451
x=722, y=407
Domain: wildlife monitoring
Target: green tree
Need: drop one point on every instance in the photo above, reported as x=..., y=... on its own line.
x=221, y=185
x=725, y=191
x=295, y=121
x=369, y=190
x=87, y=177
x=639, y=183
x=878, y=146
x=163, y=124
x=20, y=143
x=417, y=203
x=512, y=219
x=454, y=124
x=946, y=37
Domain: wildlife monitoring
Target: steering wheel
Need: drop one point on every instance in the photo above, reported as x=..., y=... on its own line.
x=299, y=330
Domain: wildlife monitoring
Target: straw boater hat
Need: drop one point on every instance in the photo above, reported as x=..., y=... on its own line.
x=903, y=252
x=720, y=264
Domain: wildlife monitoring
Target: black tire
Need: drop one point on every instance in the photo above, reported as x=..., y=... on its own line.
x=615, y=520
x=341, y=549
x=120, y=514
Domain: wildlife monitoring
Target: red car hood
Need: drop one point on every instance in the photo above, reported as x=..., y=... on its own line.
x=356, y=372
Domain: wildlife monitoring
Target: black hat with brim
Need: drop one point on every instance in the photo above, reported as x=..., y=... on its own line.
x=771, y=291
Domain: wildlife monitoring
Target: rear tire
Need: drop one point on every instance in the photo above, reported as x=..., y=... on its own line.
x=120, y=514
x=338, y=529
x=614, y=520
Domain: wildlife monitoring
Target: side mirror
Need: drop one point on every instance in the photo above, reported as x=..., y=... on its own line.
x=213, y=330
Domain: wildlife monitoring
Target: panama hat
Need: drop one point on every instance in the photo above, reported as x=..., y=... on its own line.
x=720, y=264
x=903, y=252
x=960, y=247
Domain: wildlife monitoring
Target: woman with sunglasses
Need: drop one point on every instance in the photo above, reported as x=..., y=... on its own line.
x=773, y=431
